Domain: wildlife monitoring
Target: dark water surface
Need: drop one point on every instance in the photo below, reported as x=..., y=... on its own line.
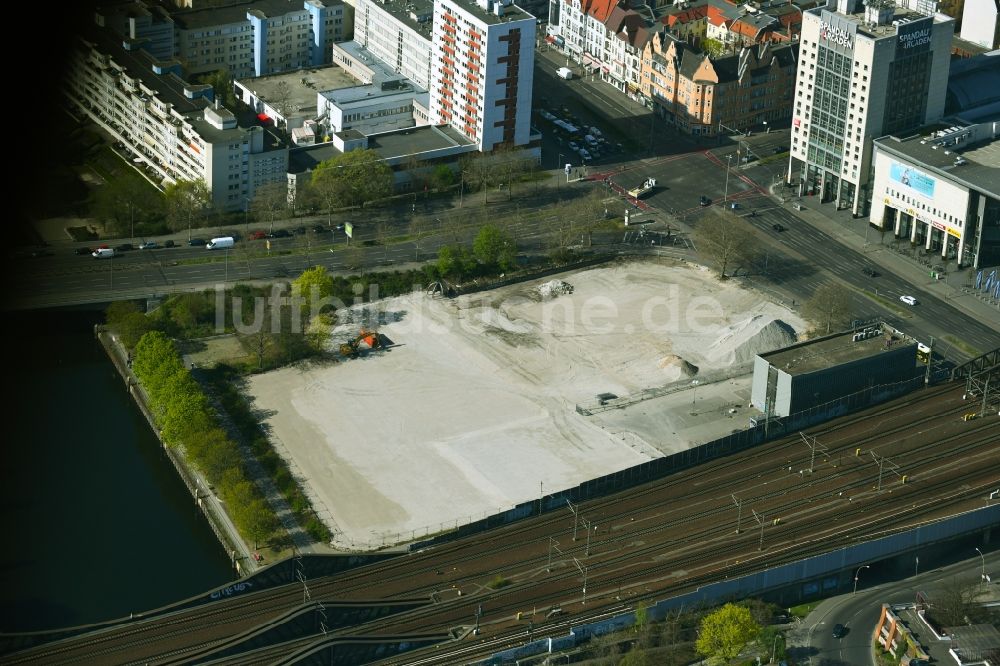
x=96, y=523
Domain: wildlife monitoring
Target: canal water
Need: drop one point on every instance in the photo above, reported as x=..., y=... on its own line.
x=96, y=523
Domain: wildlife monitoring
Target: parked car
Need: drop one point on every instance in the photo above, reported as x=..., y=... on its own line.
x=299, y=230
x=319, y=229
x=870, y=272
x=83, y=250
x=197, y=242
x=839, y=631
x=777, y=227
x=704, y=201
x=124, y=247
x=734, y=205
x=168, y=243
x=280, y=233
x=149, y=245
x=909, y=300
x=257, y=235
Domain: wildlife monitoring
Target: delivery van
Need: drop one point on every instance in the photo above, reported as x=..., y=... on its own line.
x=103, y=253
x=564, y=73
x=220, y=243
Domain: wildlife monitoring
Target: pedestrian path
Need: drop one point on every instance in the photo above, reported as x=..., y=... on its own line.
x=857, y=234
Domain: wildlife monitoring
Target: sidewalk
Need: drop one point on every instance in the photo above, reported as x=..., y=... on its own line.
x=852, y=233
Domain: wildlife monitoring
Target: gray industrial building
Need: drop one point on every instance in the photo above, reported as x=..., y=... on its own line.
x=818, y=371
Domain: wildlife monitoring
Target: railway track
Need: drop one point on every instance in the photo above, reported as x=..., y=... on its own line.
x=682, y=515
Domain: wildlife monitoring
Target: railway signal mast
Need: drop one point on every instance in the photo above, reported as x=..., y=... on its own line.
x=883, y=463
x=814, y=446
x=583, y=570
x=760, y=519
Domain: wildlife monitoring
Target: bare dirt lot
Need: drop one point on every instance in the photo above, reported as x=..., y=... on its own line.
x=473, y=404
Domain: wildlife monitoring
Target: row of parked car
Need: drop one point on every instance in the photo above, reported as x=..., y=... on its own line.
x=107, y=250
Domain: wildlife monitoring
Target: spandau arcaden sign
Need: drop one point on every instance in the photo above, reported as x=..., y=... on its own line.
x=836, y=34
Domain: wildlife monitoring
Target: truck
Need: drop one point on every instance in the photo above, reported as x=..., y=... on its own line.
x=564, y=73
x=642, y=190
x=220, y=243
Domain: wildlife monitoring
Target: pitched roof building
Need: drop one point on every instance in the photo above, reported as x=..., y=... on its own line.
x=695, y=93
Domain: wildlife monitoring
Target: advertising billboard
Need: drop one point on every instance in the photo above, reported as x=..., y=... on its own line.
x=913, y=179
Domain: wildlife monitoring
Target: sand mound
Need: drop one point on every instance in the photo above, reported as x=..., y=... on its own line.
x=740, y=342
x=554, y=288
x=674, y=361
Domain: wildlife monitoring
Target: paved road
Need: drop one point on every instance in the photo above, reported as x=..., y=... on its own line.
x=807, y=254
x=812, y=643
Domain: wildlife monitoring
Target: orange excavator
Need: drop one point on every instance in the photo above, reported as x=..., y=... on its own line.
x=367, y=337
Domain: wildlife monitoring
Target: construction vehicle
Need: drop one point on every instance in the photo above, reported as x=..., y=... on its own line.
x=369, y=338
x=642, y=190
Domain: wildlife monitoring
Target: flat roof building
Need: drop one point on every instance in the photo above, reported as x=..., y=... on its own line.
x=172, y=126
x=245, y=38
x=941, y=191
x=810, y=374
x=863, y=72
x=484, y=66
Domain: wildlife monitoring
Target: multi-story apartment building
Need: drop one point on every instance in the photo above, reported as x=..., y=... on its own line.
x=698, y=95
x=250, y=38
x=483, y=70
x=863, y=72
x=170, y=125
x=398, y=33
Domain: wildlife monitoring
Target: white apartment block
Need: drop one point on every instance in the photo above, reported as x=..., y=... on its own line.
x=398, y=34
x=169, y=124
x=245, y=38
x=863, y=72
x=482, y=77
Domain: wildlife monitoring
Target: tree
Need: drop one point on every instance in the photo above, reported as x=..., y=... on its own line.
x=259, y=520
x=269, y=201
x=724, y=240
x=280, y=97
x=155, y=361
x=222, y=85
x=188, y=201
x=126, y=201
x=955, y=604
x=772, y=641
x=480, y=171
x=494, y=247
x=125, y=318
x=356, y=177
x=830, y=307
x=442, y=177
x=724, y=633
x=455, y=262
x=313, y=286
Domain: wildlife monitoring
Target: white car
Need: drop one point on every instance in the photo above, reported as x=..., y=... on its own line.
x=909, y=300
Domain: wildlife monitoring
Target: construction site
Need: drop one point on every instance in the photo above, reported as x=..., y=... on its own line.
x=443, y=411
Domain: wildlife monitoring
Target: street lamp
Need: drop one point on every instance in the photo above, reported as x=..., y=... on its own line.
x=729, y=165
x=982, y=576
x=774, y=646
x=856, y=574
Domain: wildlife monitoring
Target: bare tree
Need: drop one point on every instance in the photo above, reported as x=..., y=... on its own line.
x=955, y=604
x=280, y=97
x=269, y=202
x=829, y=307
x=188, y=202
x=724, y=239
x=382, y=236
